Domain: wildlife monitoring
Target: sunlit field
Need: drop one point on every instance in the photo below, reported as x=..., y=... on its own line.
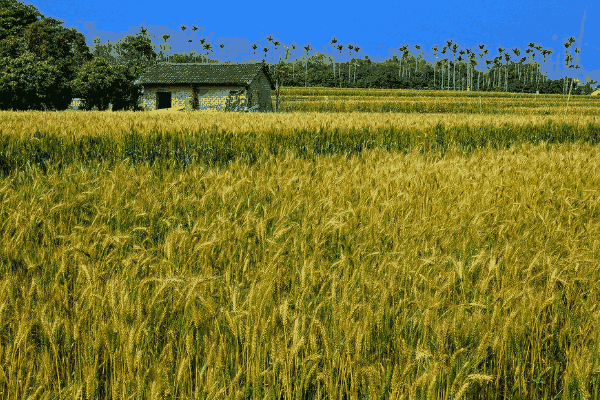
x=350, y=247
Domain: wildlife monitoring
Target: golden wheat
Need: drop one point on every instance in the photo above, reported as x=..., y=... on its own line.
x=315, y=277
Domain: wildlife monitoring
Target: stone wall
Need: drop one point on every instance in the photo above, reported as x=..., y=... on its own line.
x=208, y=98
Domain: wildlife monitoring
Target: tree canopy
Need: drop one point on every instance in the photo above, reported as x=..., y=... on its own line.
x=41, y=45
x=38, y=45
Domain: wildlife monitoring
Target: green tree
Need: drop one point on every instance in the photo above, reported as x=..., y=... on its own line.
x=101, y=83
x=132, y=51
x=22, y=33
x=137, y=50
x=24, y=79
x=15, y=17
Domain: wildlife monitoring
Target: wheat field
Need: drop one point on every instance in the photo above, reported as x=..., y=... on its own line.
x=300, y=272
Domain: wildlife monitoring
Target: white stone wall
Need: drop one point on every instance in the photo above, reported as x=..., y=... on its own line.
x=149, y=99
x=209, y=98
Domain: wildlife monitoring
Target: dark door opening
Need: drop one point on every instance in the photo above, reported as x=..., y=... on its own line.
x=164, y=100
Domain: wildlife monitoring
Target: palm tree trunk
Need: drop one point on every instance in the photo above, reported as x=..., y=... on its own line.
x=442, y=78
x=455, y=75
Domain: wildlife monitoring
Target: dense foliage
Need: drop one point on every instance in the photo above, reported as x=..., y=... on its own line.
x=391, y=75
x=42, y=64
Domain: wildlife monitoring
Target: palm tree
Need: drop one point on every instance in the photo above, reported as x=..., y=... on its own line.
x=165, y=37
x=340, y=48
x=270, y=39
x=481, y=46
x=507, y=58
x=207, y=47
x=470, y=67
x=418, y=47
x=473, y=61
x=500, y=50
x=537, y=75
x=454, y=48
x=350, y=47
x=460, y=59
x=204, y=47
x=568, y=44
x=356, y=49
x=405, y=55
x=307, y=48
x=517, y=53
x=221, y=46
x=279, y=80
x=522, y=61
x=435, y=49
x=531, y=48
x=293, y=76
x=488, y=63
x=403, y=51
x=333, y=42
x=448, y=68
x=544, y=54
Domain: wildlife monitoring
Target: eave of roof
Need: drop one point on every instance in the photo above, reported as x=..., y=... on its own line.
x=212, y=74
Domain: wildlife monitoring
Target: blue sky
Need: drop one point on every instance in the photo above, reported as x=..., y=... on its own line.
x=378, y=30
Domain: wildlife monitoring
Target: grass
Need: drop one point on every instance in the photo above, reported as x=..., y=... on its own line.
x=312, y=263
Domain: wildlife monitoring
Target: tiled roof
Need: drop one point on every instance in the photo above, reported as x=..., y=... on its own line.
x=186, y=73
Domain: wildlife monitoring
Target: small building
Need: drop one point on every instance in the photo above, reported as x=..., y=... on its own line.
x=194, y=86
x=596, y=93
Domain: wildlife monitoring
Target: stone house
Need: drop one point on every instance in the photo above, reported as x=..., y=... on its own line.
x=191, y=86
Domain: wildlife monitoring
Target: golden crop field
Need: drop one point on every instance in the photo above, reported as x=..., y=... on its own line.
x=304, y=255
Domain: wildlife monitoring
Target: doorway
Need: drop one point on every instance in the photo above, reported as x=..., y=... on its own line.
x=164, y=100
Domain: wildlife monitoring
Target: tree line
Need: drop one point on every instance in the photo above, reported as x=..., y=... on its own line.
x=414, y=72
x=43, y=66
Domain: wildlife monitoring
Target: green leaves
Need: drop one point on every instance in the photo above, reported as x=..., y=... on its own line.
x=38, y=57
x=15, y=17
x=24, y=80
x=101, y=83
